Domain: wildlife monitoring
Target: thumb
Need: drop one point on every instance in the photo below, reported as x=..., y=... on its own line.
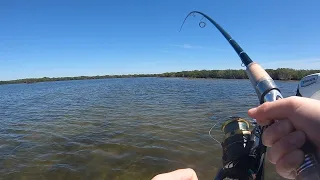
x=181, y=174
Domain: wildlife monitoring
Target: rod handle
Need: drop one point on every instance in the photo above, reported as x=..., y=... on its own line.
x=256, y=73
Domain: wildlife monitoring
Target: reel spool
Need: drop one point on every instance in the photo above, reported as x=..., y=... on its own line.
x=237, y=138
x=237, y=146
x=234, y=126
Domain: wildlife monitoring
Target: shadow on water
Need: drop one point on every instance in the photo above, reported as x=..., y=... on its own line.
x=117, y=128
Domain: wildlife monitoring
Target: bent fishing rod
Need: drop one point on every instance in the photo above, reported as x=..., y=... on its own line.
x=243, y=151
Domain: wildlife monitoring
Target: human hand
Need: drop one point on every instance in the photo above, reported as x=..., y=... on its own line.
x=181, y=174
x=298, y=121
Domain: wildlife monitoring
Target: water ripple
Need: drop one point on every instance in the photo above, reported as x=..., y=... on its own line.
x=117, y=128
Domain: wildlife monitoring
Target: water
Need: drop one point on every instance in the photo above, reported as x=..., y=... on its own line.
x=118, y=128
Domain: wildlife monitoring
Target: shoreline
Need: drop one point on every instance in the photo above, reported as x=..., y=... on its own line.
x=282, y=74
x=188, y=78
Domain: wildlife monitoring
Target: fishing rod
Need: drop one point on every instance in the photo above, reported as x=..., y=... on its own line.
x=243, y=151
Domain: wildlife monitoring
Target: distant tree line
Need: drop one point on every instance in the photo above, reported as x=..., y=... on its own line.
x=277, y=74
x=48, y=79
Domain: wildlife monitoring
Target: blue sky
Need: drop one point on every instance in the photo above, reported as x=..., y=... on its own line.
x=72, y=38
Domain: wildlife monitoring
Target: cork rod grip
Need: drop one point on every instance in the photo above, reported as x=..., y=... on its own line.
x=256, y=73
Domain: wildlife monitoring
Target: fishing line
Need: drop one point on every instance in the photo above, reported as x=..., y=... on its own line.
x=267, y=91
x=211, y=130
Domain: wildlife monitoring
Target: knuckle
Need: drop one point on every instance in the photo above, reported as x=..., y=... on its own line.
x=287, y=144
x=278, y=128
x=264, y=107
x=293, y=141
x=157, y=177
x=298, y=139
x=292, y=98
x=276, y=131
x=191, y=171
x=293, y=102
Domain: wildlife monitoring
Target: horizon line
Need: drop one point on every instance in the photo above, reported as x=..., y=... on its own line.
x=137, y=74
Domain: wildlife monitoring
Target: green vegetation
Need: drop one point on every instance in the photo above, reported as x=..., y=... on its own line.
x=47, y=79
x=277, y=74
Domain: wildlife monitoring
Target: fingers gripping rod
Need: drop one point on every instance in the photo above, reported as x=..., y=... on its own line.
x=267, y=91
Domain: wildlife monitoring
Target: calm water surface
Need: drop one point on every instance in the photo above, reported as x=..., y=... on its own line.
x=118, y=128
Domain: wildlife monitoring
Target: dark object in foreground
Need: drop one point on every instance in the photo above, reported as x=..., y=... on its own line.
x=267, y=91
x=239, y=146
